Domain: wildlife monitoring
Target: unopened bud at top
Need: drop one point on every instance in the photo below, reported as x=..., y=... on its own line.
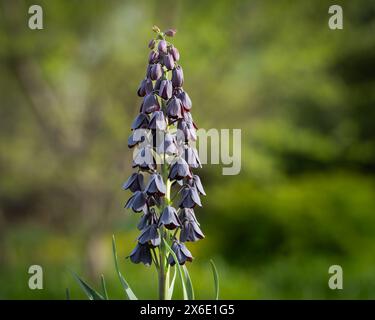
x=155, y=29
x=170, y=32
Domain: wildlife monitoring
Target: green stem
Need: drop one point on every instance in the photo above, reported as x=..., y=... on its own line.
x=163, y=263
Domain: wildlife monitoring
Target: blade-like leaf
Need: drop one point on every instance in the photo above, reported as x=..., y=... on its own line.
x=90, y=292
x=189, y=284
x=104, y=287
x=67, y=293
x=129, y=292
x=216, y=279
x=178, y=269
x=171, y=287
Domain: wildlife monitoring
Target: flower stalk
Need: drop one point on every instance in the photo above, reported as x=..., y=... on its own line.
x=162, y=137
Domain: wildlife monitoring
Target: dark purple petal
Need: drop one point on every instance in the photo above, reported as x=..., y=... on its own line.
x=141, y=253
x=150, y=104
x=148, y=71
x=174, y=52
x=168, y=61
x=179, y=170
x=144, y=221
x=137, y=202
x=156, y=71
x=189, y=198
x=148, y=86
x=190, y=231
x=166, y=89
x=182, y=254
x=169, y=218
x=156, y=185
x=162, y=46
x=188, y=214
x=177, y=77
x=157, y=85
x=174, y=108
x=141, y=121
x=153, y=57
x=150, y=233
x=142, y=88
x=134, y=183
x=185, y=100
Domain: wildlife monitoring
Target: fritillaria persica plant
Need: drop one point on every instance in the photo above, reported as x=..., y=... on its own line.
x=165, y=189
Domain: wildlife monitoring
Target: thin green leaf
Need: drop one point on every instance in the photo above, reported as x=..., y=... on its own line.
x=90, y=292
x=216, y=279
x=171, y=287
x=104, y=287
x=189, y=284
x=129, y=292
x=178, y=269
x=67, y=293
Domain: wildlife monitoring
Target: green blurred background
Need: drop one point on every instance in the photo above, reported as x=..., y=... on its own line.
x=302, y=94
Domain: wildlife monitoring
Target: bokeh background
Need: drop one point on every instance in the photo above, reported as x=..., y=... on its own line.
x=303, y=95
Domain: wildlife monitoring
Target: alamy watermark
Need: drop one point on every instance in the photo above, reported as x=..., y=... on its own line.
x=36, y=279
x=214, y=147
x=336, y=279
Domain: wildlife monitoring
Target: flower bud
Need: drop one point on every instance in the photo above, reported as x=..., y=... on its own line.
x=153, y=57
x=145, y=87
x=141, y=89
x=156, y=71
x=168, y=61
x=185, y=100
x=165, y=90
x=174, y=109
x=150, y=104
x=148, y=86
x=151, y=44
x=162, y=46
x=175, y=53
x=148, y=70
x=177, y=77
x=155, y=29
x=170, y=32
